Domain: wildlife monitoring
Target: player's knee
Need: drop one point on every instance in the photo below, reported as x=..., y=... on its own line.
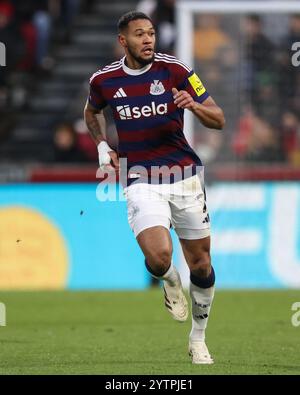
x=160, y=260
x=201, y=266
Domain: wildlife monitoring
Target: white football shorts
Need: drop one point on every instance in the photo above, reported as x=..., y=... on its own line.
x=181, y=205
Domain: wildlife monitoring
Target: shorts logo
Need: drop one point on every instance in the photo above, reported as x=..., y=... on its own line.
x=134, y=211
x=157, y=88
x=206, y=220
x=126, y=112
x=197, y=84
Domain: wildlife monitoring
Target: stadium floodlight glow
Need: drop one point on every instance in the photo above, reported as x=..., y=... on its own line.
x=185, y=26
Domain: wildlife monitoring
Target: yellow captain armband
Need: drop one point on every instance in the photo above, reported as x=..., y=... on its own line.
x=197, y=84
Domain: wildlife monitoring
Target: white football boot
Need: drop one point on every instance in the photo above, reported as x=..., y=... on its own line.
x=175, y=301
x=199, y=353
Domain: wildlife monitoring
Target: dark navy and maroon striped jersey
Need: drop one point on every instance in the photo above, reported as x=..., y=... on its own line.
x=149, y=124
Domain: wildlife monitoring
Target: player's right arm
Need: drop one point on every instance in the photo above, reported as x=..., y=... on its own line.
x=96, y=124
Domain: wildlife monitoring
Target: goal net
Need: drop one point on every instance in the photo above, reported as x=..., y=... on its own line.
x=242, y=52
x=247, y=54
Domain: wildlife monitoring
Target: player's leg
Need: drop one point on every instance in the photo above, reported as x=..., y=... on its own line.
x=202, y=280
x=156, y=244
x=149, y=217
x=191, y=222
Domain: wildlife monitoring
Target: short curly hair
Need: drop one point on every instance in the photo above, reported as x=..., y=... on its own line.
x=131, y=16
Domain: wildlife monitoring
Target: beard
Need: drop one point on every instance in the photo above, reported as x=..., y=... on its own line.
x=141, y=61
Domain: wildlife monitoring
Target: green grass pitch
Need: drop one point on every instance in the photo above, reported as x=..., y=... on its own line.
x=249, y=332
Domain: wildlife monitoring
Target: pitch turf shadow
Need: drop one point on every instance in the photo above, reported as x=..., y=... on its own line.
x=265, y=366
x=6, y=341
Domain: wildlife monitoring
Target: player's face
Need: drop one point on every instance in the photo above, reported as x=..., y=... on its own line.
x=139, y=41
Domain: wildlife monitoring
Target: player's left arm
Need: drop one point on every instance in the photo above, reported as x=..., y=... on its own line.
x=208, y=112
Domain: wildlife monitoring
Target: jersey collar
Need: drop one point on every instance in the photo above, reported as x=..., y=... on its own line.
x=135, y=71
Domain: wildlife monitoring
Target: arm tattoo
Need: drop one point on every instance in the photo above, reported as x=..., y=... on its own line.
x=95, y=126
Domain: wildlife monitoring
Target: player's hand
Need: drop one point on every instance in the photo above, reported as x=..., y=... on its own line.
x=183, y=99
x=108, y=158
x=114, y=162
x=109, y=163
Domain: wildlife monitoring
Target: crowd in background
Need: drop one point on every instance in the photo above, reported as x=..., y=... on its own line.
x=246, y=65
x=28, y=29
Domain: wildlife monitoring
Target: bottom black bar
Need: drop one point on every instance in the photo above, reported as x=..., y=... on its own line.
x=160, y=383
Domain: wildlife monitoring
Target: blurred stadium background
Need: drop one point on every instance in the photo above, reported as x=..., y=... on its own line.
x=55, y=234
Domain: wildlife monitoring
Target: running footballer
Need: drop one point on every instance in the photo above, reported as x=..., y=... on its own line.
x=148, y=93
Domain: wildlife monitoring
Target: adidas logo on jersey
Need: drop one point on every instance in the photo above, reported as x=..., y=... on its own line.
x=126, y=112
x=120, y=93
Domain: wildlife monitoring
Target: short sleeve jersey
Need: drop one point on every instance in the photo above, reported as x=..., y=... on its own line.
x=149, y=124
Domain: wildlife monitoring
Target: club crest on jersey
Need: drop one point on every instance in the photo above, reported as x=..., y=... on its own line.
x=157, y=88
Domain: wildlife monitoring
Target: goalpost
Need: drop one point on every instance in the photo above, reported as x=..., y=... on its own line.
x=185, y=11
